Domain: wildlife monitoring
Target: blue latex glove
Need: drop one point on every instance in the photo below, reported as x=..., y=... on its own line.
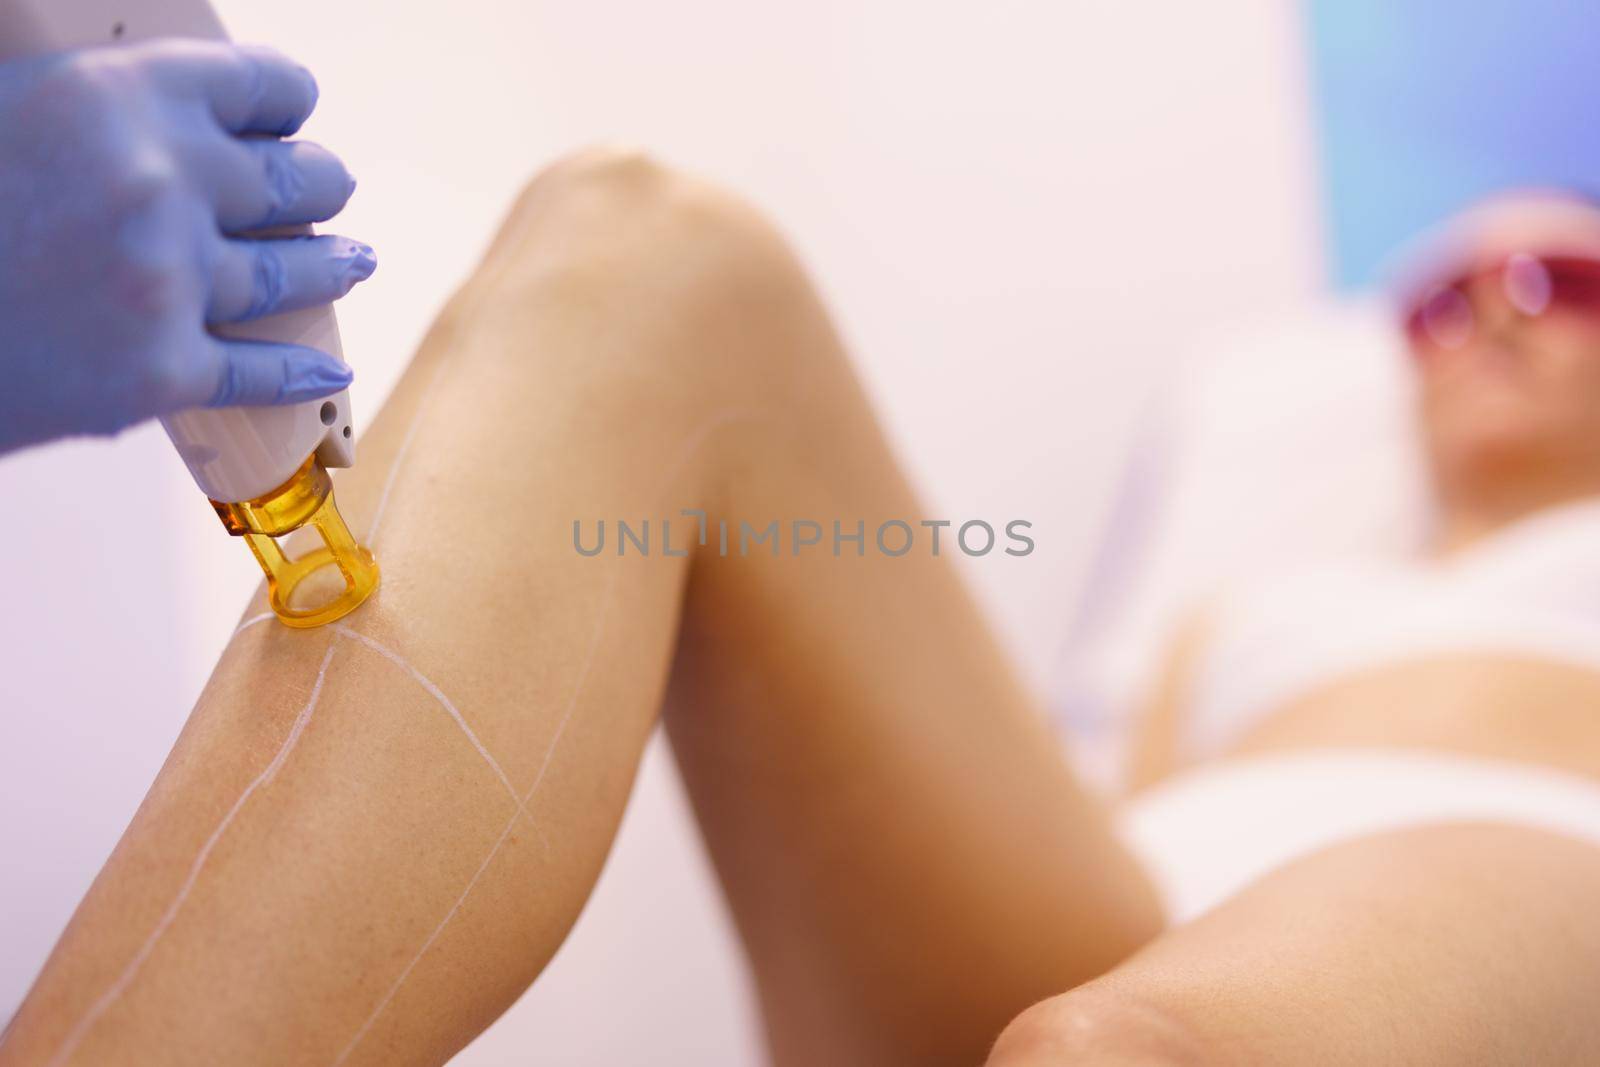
x=126, y=175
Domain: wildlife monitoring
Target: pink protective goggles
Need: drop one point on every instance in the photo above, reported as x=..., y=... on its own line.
x=1535, y=285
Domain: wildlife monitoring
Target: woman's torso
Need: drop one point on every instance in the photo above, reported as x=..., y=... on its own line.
x=1493, y=652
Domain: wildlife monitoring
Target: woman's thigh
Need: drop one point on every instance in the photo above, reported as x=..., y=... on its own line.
x=371, y=837
x=1451, y=944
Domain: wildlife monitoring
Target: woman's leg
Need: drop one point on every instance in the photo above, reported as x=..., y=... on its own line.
x=1447, y=945
x=371, y=837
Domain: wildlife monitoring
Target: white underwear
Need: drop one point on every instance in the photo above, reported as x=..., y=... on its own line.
x=1207, y=833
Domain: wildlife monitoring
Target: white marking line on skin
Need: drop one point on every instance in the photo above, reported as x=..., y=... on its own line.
x=388, y=482
x=521, y=809
x=265, y=616
x=421, y=679
x=400, y=453
x=696, y=440
x=583, y=678
x=99, y=1007
x=434, y=691
x=109, y=997
x=437, y=930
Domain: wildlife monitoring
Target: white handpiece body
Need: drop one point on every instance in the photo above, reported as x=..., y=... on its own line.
x=234, y=454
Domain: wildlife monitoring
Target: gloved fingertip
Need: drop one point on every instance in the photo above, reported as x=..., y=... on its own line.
x=364, y=262
x=314, y=375
x=311, y=82
x=353, y=263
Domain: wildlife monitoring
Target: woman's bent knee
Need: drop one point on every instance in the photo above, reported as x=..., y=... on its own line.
x=675, y=287
x=623, y=212
x=1094, y=1025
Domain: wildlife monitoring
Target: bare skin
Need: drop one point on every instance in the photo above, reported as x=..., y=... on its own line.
x=1446, y=945
x=1497, y=707
x=1443, y=945
x=370, y=838
x=1510, y=425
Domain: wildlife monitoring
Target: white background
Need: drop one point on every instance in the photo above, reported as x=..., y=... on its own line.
x=1019, y=212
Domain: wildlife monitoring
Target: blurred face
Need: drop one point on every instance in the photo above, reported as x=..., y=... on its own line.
x=1508, y=357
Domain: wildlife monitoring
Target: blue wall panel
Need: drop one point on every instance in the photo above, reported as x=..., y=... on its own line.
x=1426, y=105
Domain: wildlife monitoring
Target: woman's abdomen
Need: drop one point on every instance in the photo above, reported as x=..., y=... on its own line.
x=1501, y=706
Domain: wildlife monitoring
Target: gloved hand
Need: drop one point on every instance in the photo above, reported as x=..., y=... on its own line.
x=126, y=176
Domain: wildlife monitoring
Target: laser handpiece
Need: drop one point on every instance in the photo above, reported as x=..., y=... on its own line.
x=265, y=469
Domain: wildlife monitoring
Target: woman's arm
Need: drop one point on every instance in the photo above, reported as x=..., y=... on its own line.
x=371, y=837
x=1155, y=748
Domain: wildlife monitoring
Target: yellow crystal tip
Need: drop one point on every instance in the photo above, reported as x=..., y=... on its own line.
x=302, y=591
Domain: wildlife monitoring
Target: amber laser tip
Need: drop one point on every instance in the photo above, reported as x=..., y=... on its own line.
x=304, y=500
